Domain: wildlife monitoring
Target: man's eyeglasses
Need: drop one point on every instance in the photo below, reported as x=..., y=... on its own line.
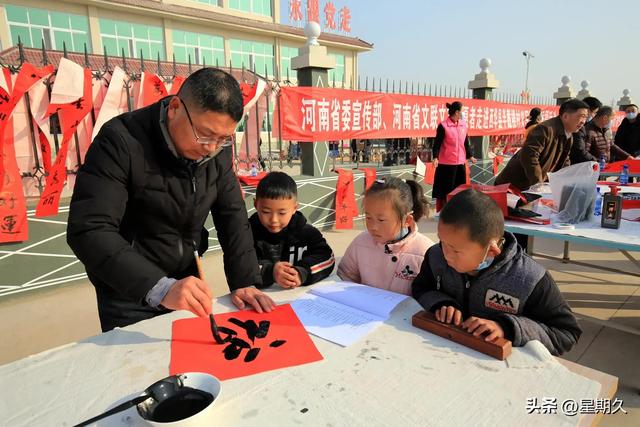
x=224, y=141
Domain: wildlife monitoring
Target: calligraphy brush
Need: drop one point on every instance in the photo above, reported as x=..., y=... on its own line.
x=214, y=328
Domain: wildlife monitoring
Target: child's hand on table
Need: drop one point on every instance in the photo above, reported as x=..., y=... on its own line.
x=474, y=325
x=449, y=314
x=285, y=275
x=479, y=326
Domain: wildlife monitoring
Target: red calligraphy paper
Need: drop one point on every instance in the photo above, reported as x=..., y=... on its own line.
x=346, y=206
x=369, y=177
x=13, y=208
x=27, y=77
x=497, y=161
x=176, y=85
x=6, y=108
x=430, y=174
x=467, y=172
x=248, y=92
x=70, y=116
x=153, y=89
x=45, y=148
x=251, y=93
x=193, y=348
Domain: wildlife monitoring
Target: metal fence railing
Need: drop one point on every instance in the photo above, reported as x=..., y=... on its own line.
x=272, y=152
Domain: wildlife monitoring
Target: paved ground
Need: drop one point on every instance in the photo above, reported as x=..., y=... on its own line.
x=607, y=305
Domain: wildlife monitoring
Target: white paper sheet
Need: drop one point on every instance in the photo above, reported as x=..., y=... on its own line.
x=3, y=81
x=68, y=85
x=377, y=381
x=115, y=101
x=376, y=301
x=39, y=102
x=421, y=168
x=512, y=200
x=333, y=321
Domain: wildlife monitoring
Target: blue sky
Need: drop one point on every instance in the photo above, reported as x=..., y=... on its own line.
x=441, y=42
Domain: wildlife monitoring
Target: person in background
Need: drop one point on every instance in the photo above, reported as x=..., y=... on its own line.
x=353, y=144
x=580, y=150
x=451, y=150
x=333, y=149
x=628, y=134
x=546, y=148
x=599, y=140
x=535, y=117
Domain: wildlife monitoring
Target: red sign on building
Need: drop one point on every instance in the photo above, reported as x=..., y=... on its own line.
x=330, y=23
x=313, y=11
x=295, y=10
x=329, y=16
x=345, y=19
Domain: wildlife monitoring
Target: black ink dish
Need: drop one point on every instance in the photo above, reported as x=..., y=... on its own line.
x=189, y=404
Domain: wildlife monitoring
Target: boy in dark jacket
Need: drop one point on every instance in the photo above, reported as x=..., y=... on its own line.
x=480, y=279
x=290, y=251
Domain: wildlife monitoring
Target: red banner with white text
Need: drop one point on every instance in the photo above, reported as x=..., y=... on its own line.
x=326, y=114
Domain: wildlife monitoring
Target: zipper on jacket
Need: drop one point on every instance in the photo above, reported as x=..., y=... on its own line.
x=194, y=187
x=438, y=283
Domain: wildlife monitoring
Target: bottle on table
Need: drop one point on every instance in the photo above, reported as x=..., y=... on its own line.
x=597, y=211
x=624, y=175
x=254, y=170
x=602, y=162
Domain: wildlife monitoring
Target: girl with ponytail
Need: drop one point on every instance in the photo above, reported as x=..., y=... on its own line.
x=390, y=253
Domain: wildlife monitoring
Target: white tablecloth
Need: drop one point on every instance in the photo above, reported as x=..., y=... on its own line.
x=398, y=375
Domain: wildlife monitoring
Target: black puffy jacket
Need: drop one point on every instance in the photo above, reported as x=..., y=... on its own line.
x=137, y=210
x=300, y=244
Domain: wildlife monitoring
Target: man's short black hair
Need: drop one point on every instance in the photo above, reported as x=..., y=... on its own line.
x=211, y=89
x=476, y=212
x=593, y=103
x=277, y=185
x=572, y=105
